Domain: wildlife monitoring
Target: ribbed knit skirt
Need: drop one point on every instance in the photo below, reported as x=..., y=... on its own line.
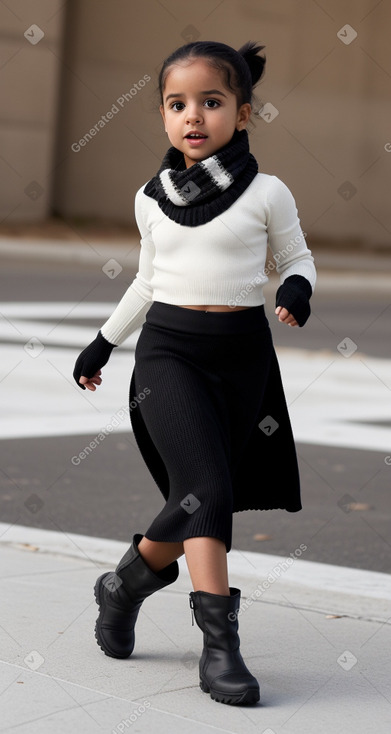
x=196, y=399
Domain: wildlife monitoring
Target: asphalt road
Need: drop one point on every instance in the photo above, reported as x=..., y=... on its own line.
x=346, y=493
x=363, y=315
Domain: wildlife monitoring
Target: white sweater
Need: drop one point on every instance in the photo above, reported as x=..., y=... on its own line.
x=220, y=262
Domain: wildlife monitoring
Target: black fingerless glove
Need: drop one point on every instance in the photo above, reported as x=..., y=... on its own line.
x=92, y=358
x=294, y=295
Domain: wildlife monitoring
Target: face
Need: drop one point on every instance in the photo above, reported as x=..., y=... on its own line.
x=195, y=99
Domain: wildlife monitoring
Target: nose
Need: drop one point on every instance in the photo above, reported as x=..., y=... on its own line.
x=193, y=114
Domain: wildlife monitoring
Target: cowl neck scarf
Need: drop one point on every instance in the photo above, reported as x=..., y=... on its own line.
x=195, y=195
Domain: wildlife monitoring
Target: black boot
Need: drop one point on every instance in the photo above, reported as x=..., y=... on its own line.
x=223, y=672
x=119, y=595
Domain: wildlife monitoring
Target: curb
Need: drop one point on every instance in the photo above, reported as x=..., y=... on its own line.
x=319, y=587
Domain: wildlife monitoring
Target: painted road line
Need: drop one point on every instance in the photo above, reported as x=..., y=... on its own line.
x=336, y=397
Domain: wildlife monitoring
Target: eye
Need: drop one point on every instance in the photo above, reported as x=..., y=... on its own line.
x=214, y=102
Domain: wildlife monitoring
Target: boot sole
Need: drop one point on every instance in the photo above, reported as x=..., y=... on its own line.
x=250, y=696
x=98, y=636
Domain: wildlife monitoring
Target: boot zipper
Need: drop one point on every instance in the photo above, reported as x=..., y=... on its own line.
x=191, y=601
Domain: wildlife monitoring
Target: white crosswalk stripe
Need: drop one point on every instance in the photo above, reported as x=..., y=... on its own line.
x=333, y=400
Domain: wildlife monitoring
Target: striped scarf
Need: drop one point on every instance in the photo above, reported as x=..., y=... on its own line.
x=195, y=195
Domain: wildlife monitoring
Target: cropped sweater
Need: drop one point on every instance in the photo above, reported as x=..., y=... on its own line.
x=222, y=262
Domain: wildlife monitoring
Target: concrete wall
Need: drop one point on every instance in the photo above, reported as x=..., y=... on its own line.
x=29, y=89
x=330, y=141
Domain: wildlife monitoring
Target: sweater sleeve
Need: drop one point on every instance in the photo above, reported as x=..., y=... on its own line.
x=294, y=262
x=130, y=313
x=285, y=236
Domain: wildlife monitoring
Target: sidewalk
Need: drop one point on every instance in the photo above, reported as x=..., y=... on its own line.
x=317, y=637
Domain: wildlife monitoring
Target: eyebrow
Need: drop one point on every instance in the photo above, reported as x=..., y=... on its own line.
x=207, y=91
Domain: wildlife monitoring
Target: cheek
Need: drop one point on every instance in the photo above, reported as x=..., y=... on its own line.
x=224, y=113
x=172, y=120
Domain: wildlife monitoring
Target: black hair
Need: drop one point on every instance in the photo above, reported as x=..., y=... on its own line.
x=241, y=69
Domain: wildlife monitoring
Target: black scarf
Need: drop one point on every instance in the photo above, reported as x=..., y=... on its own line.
x=195, y=195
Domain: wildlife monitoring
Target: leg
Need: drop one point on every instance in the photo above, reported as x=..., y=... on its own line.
x=223, y=672
x=158, y=555
x=206, y=560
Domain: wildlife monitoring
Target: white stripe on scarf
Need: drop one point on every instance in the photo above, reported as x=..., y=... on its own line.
x=221, y=177
x=170, y=190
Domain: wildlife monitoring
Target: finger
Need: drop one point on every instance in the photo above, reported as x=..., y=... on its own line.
x=84, y=380
x=287, y=318
x=90, y=386
x=283, y=314
x=96, y=380
x=291, y=319
x=93, y=381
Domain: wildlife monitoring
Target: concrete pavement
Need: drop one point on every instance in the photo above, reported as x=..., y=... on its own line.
x=317, y=638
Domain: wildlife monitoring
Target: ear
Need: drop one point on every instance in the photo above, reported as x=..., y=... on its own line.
x=243, y=117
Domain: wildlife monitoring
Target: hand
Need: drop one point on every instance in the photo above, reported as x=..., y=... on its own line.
x=88, y=366
x=292, y=301
x=90, y=382
x=286, y=317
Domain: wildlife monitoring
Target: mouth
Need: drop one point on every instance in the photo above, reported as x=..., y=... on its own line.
x=195, y=136
x=195, y=140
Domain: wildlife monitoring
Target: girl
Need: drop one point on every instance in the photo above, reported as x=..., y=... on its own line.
x=211, y=419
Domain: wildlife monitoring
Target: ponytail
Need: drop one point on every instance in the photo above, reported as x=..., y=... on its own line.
x=255, y=63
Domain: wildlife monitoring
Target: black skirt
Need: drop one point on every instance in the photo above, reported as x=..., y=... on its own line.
x=209, y=416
